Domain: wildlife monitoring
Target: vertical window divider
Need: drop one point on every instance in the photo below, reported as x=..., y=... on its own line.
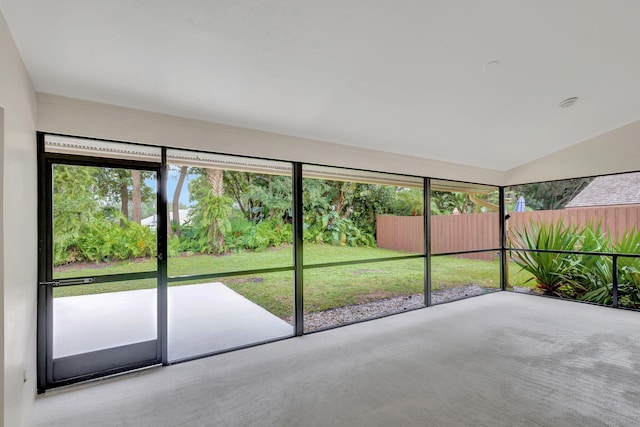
x=426, y=188
x=162, y=236
x=504, y=270
x=614, y=285
x=44, y=251
x=298, y=237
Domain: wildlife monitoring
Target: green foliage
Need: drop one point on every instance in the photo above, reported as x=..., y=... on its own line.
x=344, y=213
x=444, y=202
x=102, y=240
x=173, y=246
x=249, y=211
x=193, y=240
x=365, y=202
x=259, y=235
x=260, y=196
x=73, y=200
x=628, y=275
x=410, y=201
x=594, y=271
x=209, y=218
x=549, y=195
x=210, y=224
x=584, y=277
x=552, y=271
x=334, y=229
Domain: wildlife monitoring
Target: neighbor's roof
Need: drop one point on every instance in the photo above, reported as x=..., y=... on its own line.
x=623, y=189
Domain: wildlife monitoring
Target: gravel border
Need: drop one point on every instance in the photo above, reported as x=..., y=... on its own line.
x=354, y=313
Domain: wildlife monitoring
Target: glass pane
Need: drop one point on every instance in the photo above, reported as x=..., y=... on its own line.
x=459, y=276
x=219, y=314
x=99, y=316
x=103, y=221
x=336, y=296
x=464, y=217
x=629, y=282
x=356, y=215
x=228, y=213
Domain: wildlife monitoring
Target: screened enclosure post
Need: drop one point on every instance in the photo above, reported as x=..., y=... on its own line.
x=504, y=268
x=426, y=188
x=162, y=236
x=298, y=235
x=614, y=285
x=43, y=254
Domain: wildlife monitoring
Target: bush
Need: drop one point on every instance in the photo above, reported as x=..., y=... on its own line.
x=584, y=277
x=104, y=240
x=258, y=235
x=628, y=275
x=552, y=271
x=334, y=229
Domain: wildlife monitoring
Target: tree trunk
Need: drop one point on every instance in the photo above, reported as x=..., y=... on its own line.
x=176, y=199
x=215, y=181
x=215, y=178
x=136, y=195
x=124, y=202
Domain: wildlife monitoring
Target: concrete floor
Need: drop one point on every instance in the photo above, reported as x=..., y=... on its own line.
x=501, y=359
x=203, y=318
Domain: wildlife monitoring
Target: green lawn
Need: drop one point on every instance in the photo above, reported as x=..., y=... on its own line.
x=324, y=288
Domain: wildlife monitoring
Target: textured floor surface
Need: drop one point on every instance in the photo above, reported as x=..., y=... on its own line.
x=500, y=359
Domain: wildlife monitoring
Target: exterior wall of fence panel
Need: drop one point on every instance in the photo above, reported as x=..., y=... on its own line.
x=615, y=220
x=469, y=232
x=400, y=233
x=451, y=233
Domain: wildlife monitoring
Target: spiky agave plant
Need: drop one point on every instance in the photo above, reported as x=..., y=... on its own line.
x=552, y=271
x=596, y=271
x=628, y=274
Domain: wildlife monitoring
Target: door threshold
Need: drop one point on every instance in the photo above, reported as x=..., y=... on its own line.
x=92, y=382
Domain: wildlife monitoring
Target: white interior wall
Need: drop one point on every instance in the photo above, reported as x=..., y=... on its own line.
x=83, y=118
x=612, y=152
x=2, y=257
x=18, y=233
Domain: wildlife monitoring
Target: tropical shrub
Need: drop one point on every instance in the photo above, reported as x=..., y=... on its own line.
x=103, y=240
x=334, y=229
x=552, y=271
x=210, y=225
x=584, y=277
x=628, y=275
x=595, y=271
x=258, y=235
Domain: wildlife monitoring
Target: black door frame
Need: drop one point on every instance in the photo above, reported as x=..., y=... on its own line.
x=118, y=359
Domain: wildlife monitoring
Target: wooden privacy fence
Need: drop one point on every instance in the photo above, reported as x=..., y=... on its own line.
x=449, y=233
x=466, y=232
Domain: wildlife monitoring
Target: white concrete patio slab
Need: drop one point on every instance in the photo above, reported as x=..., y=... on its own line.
x=203, y=318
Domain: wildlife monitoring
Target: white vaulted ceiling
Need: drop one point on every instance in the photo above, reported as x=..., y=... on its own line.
x=411, y=77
